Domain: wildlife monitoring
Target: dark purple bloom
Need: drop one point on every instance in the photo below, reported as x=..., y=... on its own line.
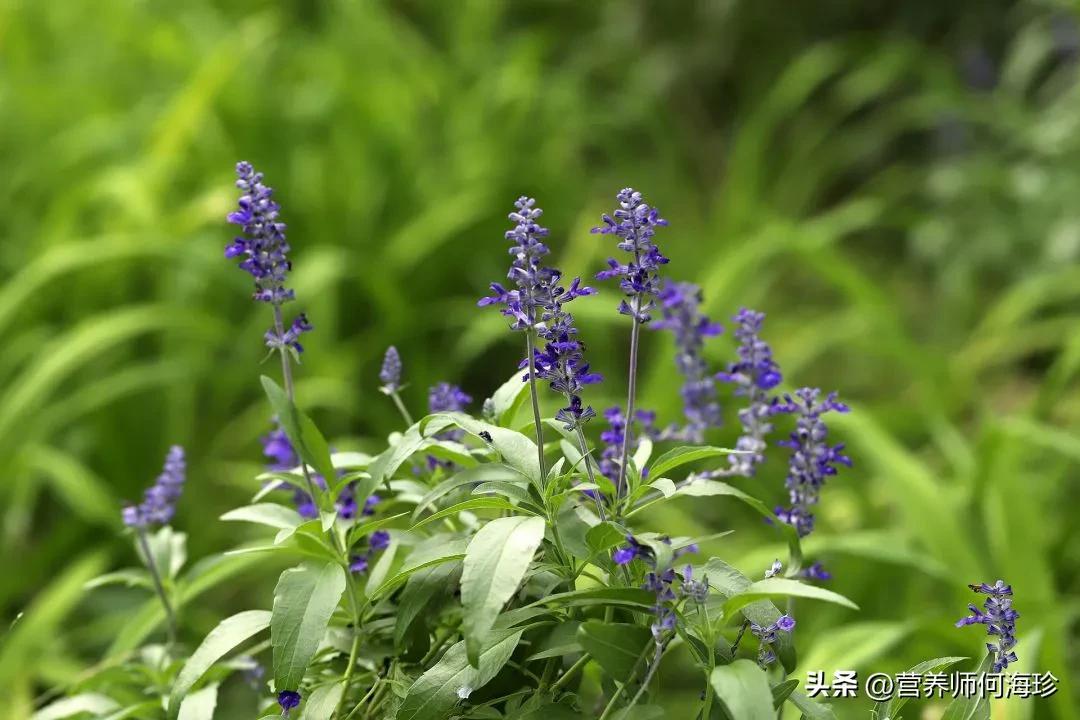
x=390, y=374
x=1000, y=620
x=159, y=501
x=290, y=337
x=768, y=635
x=754, y=375
x=379, y=540
x=696, y=590
x=369, y=505
x=535, y=283
x=680, y=306
x=633, y=549
x=359, y=563
x=812, y=458
x=612, y=437
x=634, y=222
x=278, y=449
x=288, y=700
x=815, y=572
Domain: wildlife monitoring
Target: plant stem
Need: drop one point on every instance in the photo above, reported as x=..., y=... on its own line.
x=571, y=671
x=584, y=447
x=159, y=585
x=287, y=378
x=536, y=407
x=348, y=672
x=401, y=408
x=647, y=679
x=707, y=709
x=738, y=638
x=618, y=692
x=635, y=335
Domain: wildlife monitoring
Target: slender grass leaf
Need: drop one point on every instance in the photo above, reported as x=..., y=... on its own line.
x=677, y=457
x=495, y=564
x=782, y=587
x=781, y=691
x=487, y=472
x=480, y=503
x=304, y=600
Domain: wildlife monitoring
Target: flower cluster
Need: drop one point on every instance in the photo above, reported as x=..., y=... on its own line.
x=812, y=458
x=680, y=307
x=159, y=501
x=288, y=700
x=283, y=457
x=613, y=436
x=768, y=635
x=754, y=375
x=539, y=304
x=635, y=223
x=377, y=542
x=661, y=582
x=390, y=373
x=265, y=252
x=1000, y=620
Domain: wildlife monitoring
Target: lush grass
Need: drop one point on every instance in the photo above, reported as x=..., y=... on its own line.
x=913, y=239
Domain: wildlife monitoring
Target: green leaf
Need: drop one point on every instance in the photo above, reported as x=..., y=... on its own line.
x=551, y=711
x=270, y=514
x=890, y=710
x=635, y=598
x=743, y=688
x=617, y=647
x=199, y=705
x=728, y=582
x=229, y=633
x=510, y=396
x=94, y=703
x=421, y=589
x=304, y=436
x=604, y=537
x=168, y=549
x=304, y=600
x=973, y=708
x=562, y=640
x=782, y=587
x=780, y=692
x=437, y=691
x=810, y=709
x=677, y=457
x=479, y=503
x=132, y=577
x=487, y=472
x=322, y=702
x=495, y=564
x=434, y=551
x=517, y=450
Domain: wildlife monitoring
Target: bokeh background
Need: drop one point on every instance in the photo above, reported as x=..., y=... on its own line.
x=895, y=184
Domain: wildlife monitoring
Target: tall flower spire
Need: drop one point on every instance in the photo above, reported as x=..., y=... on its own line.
x=812, y=458
x=634, y=222
x=159, y=501
x=1000, y=621
x=680, y=306
x=754, y=375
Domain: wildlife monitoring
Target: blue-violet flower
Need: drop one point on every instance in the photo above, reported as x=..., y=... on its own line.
x=1000, y=620
x=159, y=500
x=634, y=222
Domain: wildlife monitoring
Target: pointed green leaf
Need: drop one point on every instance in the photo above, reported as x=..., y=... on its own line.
x=304, y=436
x=270, y=514
x=677, y=457
x=229, y=633
x=743, y=689
x=304, y=600
x=728, y=582
x=782, y=587
x=810, y=709
x=199, y=705
x=495, y=564
x=438, y=691
x=94, y=703
x=891, y=709
x=973, y=708
x=322, y=702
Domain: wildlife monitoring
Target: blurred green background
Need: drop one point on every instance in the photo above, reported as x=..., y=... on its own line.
x=895, y=184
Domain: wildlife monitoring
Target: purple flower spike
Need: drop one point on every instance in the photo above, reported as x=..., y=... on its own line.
x=1000, y=620
x=754, y=375
x=634, y=222
x=288, y=700
x=680, y=307
x=265, y=252
x=612, y=437
x=390, y=374
x=812, y=458
x=159, y=501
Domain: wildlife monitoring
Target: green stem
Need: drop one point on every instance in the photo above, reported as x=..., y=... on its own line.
x=401, y=408
x=706, y=711
x=584, y=447
x=348, y=672
x=536, y=407
x=573, y=669
x=646, y=680
x=159, y=585
x=631, y=391
x=619, y=691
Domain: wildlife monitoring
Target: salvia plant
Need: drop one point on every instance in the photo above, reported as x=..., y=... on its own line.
x=490, y=565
